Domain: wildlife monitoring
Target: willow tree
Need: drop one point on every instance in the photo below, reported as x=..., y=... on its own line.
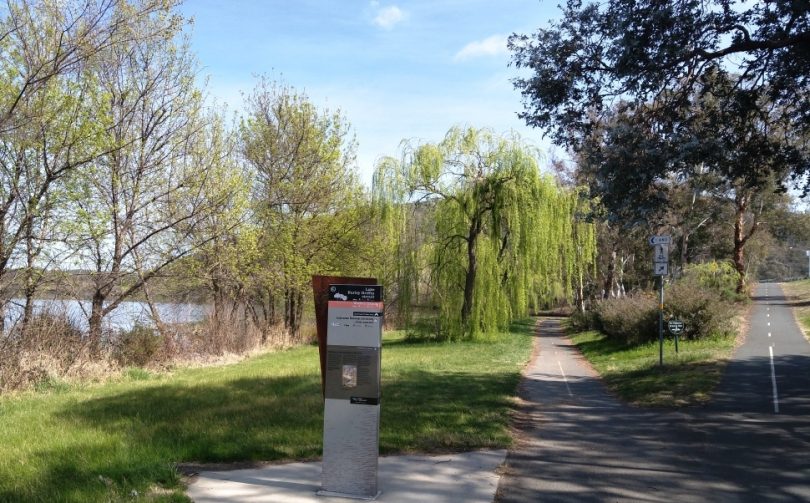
x=502, y=238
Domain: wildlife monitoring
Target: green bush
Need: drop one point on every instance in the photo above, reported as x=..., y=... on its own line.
x=582, y=321
x=138, y=345
x=704, y=311
x=719, y=277
x=632, y=319
x=700, y=301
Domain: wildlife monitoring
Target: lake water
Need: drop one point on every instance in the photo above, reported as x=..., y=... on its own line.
x=122, y=317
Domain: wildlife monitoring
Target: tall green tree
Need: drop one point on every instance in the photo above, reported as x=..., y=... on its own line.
x=725, y=147
x=137, y=207
x=646, y=51
x=308, y=200
x=52, y=119
x=502, y=237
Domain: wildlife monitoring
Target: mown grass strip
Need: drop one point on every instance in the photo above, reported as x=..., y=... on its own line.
x=632, y=372
x=123, y=440
x=798, y=297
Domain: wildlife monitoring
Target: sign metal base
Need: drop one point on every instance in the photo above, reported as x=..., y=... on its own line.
x=350, y=496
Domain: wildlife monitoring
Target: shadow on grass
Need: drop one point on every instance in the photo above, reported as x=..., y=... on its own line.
x=633, y=373
x=424, y=334
x=145, y=432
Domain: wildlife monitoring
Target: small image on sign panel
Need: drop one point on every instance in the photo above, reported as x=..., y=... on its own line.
x=350, y=376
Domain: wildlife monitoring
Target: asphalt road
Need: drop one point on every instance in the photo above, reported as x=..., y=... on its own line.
x=752, y=443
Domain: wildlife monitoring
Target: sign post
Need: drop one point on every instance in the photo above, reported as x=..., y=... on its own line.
x=660, y=246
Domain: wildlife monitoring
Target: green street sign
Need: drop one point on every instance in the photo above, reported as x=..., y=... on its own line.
x=675, y=327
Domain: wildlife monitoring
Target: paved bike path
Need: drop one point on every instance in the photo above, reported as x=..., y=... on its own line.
x=578, y=443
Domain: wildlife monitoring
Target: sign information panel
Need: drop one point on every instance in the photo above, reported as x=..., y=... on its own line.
x=676, y=327
x=351, y=422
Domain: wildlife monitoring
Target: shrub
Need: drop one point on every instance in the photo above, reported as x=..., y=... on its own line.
x=719, y=277
x=581, y=321
x=632, y=319
x=137, y=346
x=704, y=311
x=51, y=346
x=695, y=300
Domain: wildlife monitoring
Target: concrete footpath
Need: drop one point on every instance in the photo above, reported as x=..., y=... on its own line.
x=451, y=478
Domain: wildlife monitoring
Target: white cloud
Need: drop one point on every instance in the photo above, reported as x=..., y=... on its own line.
x=387, y=17
x=490, y=46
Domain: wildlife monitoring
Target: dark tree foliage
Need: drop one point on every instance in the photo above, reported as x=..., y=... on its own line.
x=656, y=51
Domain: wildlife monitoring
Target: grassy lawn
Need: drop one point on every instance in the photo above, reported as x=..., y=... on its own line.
x=108, y=442
x=633, y=373
x=798, y=293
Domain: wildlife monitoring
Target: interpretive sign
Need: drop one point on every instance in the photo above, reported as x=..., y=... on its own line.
x=351, y=422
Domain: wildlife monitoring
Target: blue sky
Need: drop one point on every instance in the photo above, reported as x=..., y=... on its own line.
x=397, y=70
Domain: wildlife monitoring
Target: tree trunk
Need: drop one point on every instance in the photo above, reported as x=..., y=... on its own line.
x=30, y=290
x=684, y=249
x=579, y=296
x=741, y=237
x=608, y=285
x=739, y=250
x=293, y=311
x=472, y=270
x=153, y=311
x=96, y=317
x=30, y=281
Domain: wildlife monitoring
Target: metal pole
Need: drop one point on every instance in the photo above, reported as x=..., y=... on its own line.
x=808, y=263
x=661, y=322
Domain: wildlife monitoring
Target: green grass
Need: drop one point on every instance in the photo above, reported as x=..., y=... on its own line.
x=798, y=293
x=101, y=442
x=632, y=371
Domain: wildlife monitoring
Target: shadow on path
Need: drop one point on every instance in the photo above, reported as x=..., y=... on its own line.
x=576, y=442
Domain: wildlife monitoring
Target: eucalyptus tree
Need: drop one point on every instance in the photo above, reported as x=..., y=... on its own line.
x=502, y=236
x=746, y=146
x=724, y=147
x=646, y=51
x=307, y=196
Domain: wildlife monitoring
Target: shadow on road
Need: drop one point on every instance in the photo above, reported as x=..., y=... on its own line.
x=578, y=443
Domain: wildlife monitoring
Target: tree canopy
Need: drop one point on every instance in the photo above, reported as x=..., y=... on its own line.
x=501, y=237
x=650, y=51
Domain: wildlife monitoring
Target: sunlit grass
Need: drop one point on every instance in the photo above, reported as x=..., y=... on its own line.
x=124, y=439
x=798, y=293
x=633, y=372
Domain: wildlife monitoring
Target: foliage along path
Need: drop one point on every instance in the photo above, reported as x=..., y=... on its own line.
x=578, y=443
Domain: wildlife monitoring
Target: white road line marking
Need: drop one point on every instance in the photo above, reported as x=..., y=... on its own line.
x=768, y=315
x=773, y=383
x=565, y=379
x=769, y=334
x=769, y=323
